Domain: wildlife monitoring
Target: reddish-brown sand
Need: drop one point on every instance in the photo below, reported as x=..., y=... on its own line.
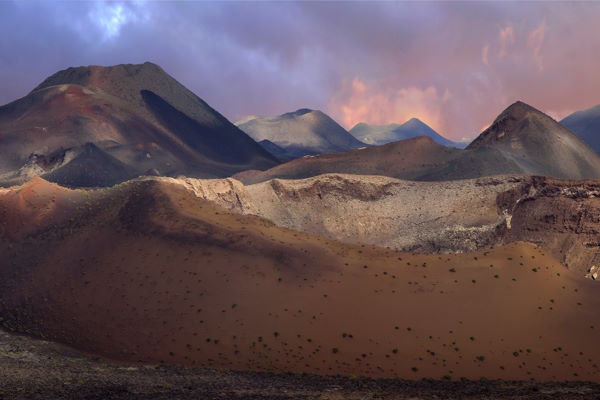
x=146, y=271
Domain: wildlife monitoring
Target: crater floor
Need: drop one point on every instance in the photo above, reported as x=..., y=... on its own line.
x=36, y=369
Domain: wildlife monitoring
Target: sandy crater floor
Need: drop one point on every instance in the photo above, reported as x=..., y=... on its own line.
x=35, y=369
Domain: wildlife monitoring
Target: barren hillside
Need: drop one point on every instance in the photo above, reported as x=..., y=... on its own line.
x=147, y=271
x=136, y=114
x=452, y=216
x=416, y=216
x=383, y=134
x=299, y=133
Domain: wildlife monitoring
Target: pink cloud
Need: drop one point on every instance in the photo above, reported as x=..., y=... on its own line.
x=559, y=114
x=267, y=58
x=484, y=54
x=380, y=104
x=535, y=41
x=506, y=37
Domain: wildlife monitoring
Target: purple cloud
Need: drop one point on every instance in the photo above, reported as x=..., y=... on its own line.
x=454, y=65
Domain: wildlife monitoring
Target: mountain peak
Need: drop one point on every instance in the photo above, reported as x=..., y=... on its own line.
x=302, y=132
x=414, y=122
x=298, y=113
x=135, y=113
x=302, y=111
x=518, y=110
x=94, y=74
x=515, y=120
x=382, y=134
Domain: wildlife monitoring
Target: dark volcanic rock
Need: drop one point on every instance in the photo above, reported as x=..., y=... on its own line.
x=562, y=215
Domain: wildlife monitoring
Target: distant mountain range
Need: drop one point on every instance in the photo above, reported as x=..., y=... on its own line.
x=586, y=125
x=299, y=133
x=521, y=140
x=383, y=134
x=96, y=126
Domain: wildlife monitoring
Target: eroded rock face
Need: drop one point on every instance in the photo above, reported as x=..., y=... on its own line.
x=593, y=273
x=453, y=216
x=416, y=216
x=562, y=215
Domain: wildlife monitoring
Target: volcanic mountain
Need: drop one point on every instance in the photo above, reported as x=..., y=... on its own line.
x=299, y=133
x=147, y=271
x=142, y=118
x=521, y=140
x=536, y=144
x=407, y=159
x=586, y=125
x=382, y=134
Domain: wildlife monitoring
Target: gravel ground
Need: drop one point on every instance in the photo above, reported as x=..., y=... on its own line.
x=35, y=369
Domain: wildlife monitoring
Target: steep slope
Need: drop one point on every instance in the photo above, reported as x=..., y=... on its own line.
x=136, y=113
x=537, y=144
x=407, y=159
x=449, y=216
x=413, y=216
x=586, y=125
x=146, y=271
x=382, y=134
x=90, y=167
x=303, y=132
x=563, y=215
x=277, y=151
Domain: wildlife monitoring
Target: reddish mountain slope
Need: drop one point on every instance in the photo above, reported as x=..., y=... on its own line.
x=136, y=113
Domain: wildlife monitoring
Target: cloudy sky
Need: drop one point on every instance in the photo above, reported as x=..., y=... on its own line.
x=454, y=65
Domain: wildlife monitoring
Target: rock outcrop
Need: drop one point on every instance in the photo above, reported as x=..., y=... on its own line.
x=454, y=216
x=562, y=215
x=593, y=273
x=417, y=216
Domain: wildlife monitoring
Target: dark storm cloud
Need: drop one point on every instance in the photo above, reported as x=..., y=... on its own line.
x=455, y=65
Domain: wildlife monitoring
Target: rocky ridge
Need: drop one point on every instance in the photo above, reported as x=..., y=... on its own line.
x=454, y=216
